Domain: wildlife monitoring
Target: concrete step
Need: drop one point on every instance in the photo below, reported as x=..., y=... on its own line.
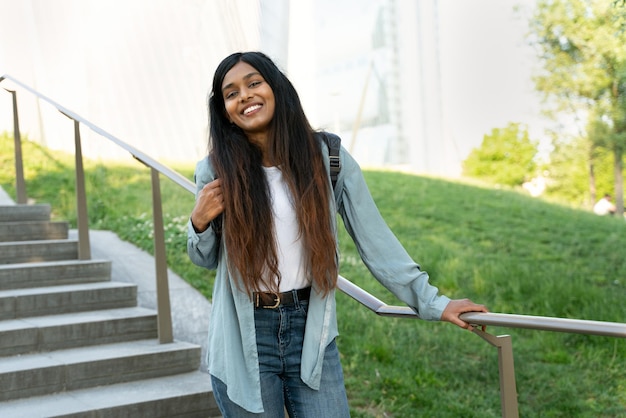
x=87, y=367
x=32, y=230
x=55, y=332
x=184, y=395
x=34, y=251
x=53, y=273
x=38, y=301
x=13, y=213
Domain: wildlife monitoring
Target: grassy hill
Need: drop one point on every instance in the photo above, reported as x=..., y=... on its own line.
x=514, y=253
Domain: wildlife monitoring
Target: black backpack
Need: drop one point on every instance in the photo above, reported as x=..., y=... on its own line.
x=334, y=145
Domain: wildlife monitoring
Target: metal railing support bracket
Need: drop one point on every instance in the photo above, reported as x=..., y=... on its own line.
x=508, y=389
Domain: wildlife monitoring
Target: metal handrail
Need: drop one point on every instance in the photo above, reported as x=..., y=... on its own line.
x=164, y=316
x=539, y=323
x=508, y=392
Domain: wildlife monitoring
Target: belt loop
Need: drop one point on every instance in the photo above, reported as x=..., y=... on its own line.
x=295, y=298
x=300, y=295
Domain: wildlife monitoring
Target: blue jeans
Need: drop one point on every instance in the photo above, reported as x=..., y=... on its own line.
x=279, y=336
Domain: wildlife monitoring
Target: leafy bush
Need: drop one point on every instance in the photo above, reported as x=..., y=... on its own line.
x=506, y=156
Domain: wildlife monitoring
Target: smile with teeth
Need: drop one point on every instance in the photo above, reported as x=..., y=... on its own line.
x=251, y=109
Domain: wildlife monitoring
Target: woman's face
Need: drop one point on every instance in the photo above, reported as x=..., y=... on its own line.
x=249, y=101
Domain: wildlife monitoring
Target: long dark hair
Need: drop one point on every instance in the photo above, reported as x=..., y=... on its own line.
x=292, y=146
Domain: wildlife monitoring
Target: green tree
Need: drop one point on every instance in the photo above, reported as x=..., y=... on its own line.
x=582, y=45
x=506, y=156
x=573, y=163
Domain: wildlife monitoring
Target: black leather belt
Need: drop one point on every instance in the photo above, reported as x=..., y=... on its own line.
x=269, y=300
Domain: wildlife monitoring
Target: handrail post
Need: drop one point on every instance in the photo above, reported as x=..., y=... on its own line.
x=164, y=315
x=82, y=220
x=508, y=389
x=20, y=184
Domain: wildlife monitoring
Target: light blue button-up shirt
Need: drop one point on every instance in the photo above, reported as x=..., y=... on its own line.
x=232, y=352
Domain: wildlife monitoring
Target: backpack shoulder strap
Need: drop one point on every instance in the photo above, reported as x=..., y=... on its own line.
x=334, y=146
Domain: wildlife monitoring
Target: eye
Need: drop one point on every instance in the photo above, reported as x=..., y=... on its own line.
x=230, y=94
x=255, y=83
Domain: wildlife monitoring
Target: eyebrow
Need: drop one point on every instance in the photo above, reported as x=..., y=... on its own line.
x=245, y=77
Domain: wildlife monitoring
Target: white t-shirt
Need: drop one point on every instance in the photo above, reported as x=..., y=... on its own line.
x=289, y=245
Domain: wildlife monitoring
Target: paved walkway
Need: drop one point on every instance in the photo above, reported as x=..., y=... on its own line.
x=190, y=309
x=5, y=199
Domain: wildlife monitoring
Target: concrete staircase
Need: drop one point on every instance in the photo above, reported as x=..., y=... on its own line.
x=73, y=343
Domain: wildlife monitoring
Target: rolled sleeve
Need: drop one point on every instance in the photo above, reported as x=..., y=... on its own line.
x=202, y=247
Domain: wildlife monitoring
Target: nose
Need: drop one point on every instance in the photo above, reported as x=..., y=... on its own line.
x=245, y=94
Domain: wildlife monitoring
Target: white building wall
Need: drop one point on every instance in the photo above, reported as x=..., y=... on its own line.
x=384, y=55
x=350, y=77
x=423, y=142
x=140, y=69
x=301, y=65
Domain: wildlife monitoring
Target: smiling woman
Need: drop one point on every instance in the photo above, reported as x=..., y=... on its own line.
x=265, y=220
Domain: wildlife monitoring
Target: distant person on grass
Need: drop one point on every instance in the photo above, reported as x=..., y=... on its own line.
x=604, y=206
x=265, y=219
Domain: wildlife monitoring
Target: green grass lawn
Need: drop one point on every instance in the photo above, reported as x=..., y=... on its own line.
x=514, y=253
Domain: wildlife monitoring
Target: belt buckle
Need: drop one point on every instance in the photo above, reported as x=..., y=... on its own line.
x=275, y=305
